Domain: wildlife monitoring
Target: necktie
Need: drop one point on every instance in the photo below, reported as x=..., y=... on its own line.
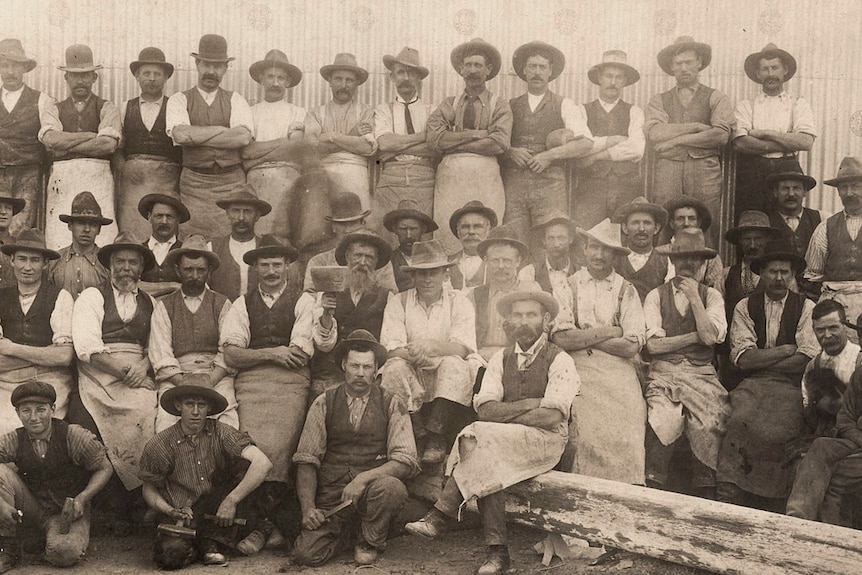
x=470, y=113
x=408, y=120
x=747, y=281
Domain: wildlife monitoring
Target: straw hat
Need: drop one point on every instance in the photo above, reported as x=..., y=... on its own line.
x=407, y=57
x=606, y=233
x=616, y=58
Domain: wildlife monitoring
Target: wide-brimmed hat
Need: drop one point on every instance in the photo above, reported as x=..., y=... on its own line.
x=360, y=340
x=194, y=246
x=345, y=61
x=194, y=384
x=346, y=207
x=643, y=206
x=554, y=220
x=770, y=51
x=606, y=233
x=748, y=221
x=427, y=256
x=16, y=203
x=79, y=58
x=504, y=304
x=38, y=391
x=504, y=235
x=471, y=207
x=687, y=242
x=384, y=252
x=850, y=170
x=147, y=202
x=477, y=45
x=154, y=56
x=270, y=248
x=789, y=169
x=276, y=59
x=690, y=202
x=681, y=44
x=244, y=194
x=781, y=250
x=616, y=58
x=85, y=208
x=408, y=209
x=328, y=278
x=525, y=51
x=212, y=48
x=11, y=49
x=407, y=57
x=31, y=240
x=126, y=240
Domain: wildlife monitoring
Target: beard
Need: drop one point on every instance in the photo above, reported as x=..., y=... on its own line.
x=125, y=282
x=360, y=279
x=523, y=335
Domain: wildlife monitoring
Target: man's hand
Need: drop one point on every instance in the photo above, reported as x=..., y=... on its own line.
x=353, y=491
x=616, y=140
x=182, y=513
x=421, y=351
x=8, y=516
x=361, y=129
x=328, y=302
x=688, y=286
x=539, y=163
x=136, y=376
x=520, y=156
x=290, y=357
x=662, y=147
x=77, y=508
x=313, y=519
x=226, y=512
x=789, y=349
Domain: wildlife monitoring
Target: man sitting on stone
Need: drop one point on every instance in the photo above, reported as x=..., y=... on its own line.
x=409, y=225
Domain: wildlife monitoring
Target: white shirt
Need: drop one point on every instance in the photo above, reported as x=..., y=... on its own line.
x=177, y=113
x=632, y=150
x=276, y=120
x=389, y=119
x=160, y=249
x=743, y=337
x=87, y=319
x=237, y=251
x=782, y=113
x=10, y=98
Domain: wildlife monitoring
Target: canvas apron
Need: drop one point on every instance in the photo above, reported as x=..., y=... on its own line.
x=142, y=175
x=69, y=178
x=199, y=193
x=24, y=372
x=274, y=182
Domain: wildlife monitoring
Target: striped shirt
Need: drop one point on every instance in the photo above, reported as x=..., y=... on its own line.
x=84, y=449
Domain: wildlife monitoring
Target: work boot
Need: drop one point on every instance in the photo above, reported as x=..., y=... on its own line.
x=255, y=541
x=435, y=449
x=364, y=553
x=210, y=553
x=497, y=562
x=433, y=524
x=8, y=553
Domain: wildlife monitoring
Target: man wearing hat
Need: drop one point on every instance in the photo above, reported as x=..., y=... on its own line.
x=685, y=320
x=471, y=224
x=78, y=266
x=523, y=407
x=409, y=225
x=409, y=162
x=148, y=161
x=35, y=326
x=687, y=212
x=342, y=130
x=357, y=445
x=212, y=125
x=608, y=176
x=603, y=334
x=555, y=266
x=534, y=172
x=641, y=222
x=470, y=130
x=430, y=333
x=687, y=127
x=186, y=327
x=165, y=213
x=789, y=186
x=197, y=467
x=770, y=128
x=81, y=133
x=273, y=160
x=771, y=341
x=9, y=208
x=45, y=462
x=21, y=152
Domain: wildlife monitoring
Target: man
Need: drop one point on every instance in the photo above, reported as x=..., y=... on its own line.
x=342, y=130
x=430, y=334
x=198, y=445
x=212, y=125
x=771, y=128
x=81, y=133
x=609, y=174
x=186, y=327
x=471, y=224
x=687, y=212
x=687, y=127
x=604, y=333
x=410, y=225
x=147, y=161
x=789, y=187
x=685, y=320
x=357, y=446
x=165, y=212
x=78, y=266
x=35, y=325
x=771, y=341
x=552, y=272
x=470, y=130
x=409, y=162
x=641, y=222
x=9, y=208
x=534, y=172
x=274, y=158
x=22, y=113
x=524, y=402
x=46, y=462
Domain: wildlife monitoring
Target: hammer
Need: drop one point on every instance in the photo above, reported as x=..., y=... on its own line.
x=177, y=530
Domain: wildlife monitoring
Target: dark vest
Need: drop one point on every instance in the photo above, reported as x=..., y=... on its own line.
x=789, y=318
x=225, y=279
x=194, y=332
x=733, y=290
x=217, y=114
x=843, y=255
x=271, y=327
x=675, y=324
x=646, y=279
x=613, y=123
x=801, y=237
x=457, y=278
x=530, y=129
x=137, y=330
x=162, y=273
x=403, y=280
x=19, y=128
x=698, y=110
x=85, y=121
x=543, y=277
x=34, y=328
x=531, y=382
x=364, y=448
x=139, y=140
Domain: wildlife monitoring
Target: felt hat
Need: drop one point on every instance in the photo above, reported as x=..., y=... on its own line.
x=525, y=51
x=345, y=61
x=687, y=242
x=427, y=256
x=147, y=202
x=85, y=208
x=504, y=235
x=360, y=340
x=346, y=207
x=193, y=385
x=384, y=252
x=477, y=45
x=276, y=59
x=778, y=249
x=681, y=44
x=407, y=57
x=126, y=240
x=789, y=169
x=408, y=209
x=504, y=304
x=11, y=49
x=31, y=240
x=79, y=58
x=770, y=51
x=616, y=58
x=16, y=203
x=212, y=48
x=554, y=220
x=751, y=220
x=154, y=56
x=690, y=202
x=850, y=170
x=606, y=233
x=194, y=246
x=640, y=205
x=244, y=194
x=328, y=279
x=471, y=207
x=37, y=391
x=270, y=248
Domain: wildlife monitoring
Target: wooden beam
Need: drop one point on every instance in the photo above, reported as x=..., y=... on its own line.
x=718, y=537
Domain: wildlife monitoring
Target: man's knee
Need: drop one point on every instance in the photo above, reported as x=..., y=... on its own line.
x=386, y=492
x=311, y=550
x=171, y=553
x=64, y=552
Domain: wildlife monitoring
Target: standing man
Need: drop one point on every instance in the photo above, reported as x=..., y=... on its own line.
x=643, y=267
x=687, y=212
x=212, y=125
x=165, y=212
x=409, y=225
x=471, y=224
x=148, y=161
x=770, y=128
x=687, y=127
x=470, y=130
x=82, y=133
x=342, y=130
x=609, y=175
x=789, y=187
x=9, y=208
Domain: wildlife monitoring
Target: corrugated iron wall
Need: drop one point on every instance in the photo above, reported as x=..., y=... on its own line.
x=822, y=34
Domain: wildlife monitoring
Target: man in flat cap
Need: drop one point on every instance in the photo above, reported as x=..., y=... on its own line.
x=22, y=155
x=471, y=130
x=409, y=225
x=770, y=128
x=641, y=222
x=165, y=212
x=148, y=161
x=342, y=130
x=212, y=125
x=81, y=133
x=471, y=224
x=789, y=186
x=9, y=208
x=687, y=127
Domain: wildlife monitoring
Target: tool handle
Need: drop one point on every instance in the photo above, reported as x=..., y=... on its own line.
x=66, y=515
x=236, y=520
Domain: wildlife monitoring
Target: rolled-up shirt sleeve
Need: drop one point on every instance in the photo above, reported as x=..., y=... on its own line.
x=400, y=442
x=312, y=441
x=742, y=334
x=564, y=384
x=219, y=357
x=236, y=329
x=492, y=382
x=383, y=123
x=803, y=118
x=87, y=316
x=61, y=319
x=240, y=113
x=575, y=118
x=442, y=119
x=324, y=339
x=816, y=254
x=49, y=115
x=632, y=315
x=177, y=113
x=500, y=128
x=300, y=335
x=652, y=315
x=744, y=118
x=109, y=122
x=161, y=349
x=393, y=333
x=806, y=341
x=716, y=313
x=655, y=114
x=722, y=112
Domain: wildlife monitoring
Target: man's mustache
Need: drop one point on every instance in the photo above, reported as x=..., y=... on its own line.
x=211, y=77
x=272, y=277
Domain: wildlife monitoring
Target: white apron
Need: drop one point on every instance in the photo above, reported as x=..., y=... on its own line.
x=273, y=183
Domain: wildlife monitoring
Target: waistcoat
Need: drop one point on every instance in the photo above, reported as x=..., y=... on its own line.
x=85, y=121
x=530, y=129
x=194, y=332
x=843, y=255
x=34, y=328
x=136, y=330
x=271, y=327
x=675, y=324
x=19, y=128
x=217, y=114
x=140, y=140
x=364, y=448
x=531, y=382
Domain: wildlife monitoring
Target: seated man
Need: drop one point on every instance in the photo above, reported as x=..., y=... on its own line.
x=641, y=223
x=55, y=462
x=790, y=186
x=687, y=212
x=164, y=212
x=356, y=449
x=430, y=334
x=523, y=408
x=552, y=272
x=471, y=224
x=9, y=208
x=409, y=225
x=194, y=475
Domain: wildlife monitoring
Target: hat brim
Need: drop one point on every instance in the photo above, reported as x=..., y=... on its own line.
x=523, y=52
x=491, y=54
x=561, y=220
x=656, y=211
x=174, y=256
x=135, y=66
x=666, y=54
x=667, y=250
x=391, y=219
x=92, y=68
x=361, y=73
x=807, y=181
x=483, y=210
x=11, y=248
x=732, y=235
x=690, y=202
x=16, y=203
x=263, y=207
x=428, y=266
x=104, y=254
x=389, y=61
x=797, y=261
x=294, y=74
x=504, y=304
x=69, y=218
x=29, y=63
x=224, y=60
x=585, y=234
x=146, y=204
x=345, y=345
x=752, y=63
x=355, y=218
x=632, y=75
x=384, y=252
x=482, y=248
x=835, y=182
x=252, y=256
x=216, y=401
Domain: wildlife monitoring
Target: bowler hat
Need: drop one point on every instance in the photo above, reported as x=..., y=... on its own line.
x=407, y=57
x=360, y=340
x=751, y=220
x=687, y=242
x=789, y=169
x=525, y=51
x=16, y=203
x=212, y=48
x=504, y=235
x=606, y=233
x=276, y=59
x=154, y=56
x=681, y=44
x=194, y=246
x=770, y=51
x=471, y=207
x=346, y=207
x=145, y=206
x=11, y=49
x=640, y=205
x=36, y=391
x=778, y=249
x=244, y=194
x=31, y=240
x=616, y=58
x=193, y=385
x=504, y=305
x=384, y=252
x=408, y=209
x=269, y=248
x=126, y=240
x=850, y=170
x=477, y=46
x=344, y=61
x=79, y=58
x=427, y=256
x=85, y=208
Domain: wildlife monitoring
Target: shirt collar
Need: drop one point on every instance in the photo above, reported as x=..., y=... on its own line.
x=780, y=302
x=798, y=215
x=4, y=92
x=155, y=103
x=154, y=242
x=533, y=349
x=694, y=88
x=439, y=301
x=182, y=437
x=401, y=100
x=764, y=96
x=198, y=297
x=47, y=438
x=273, y=296
x=484, y=97
x=118, y=293
x=608, y=106
x=567, y=268
x=91, y=255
